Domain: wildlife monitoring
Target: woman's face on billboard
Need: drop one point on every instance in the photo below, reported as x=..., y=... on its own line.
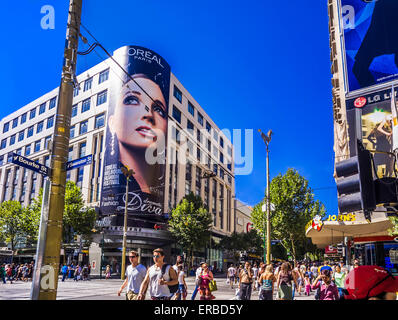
x=139, y=121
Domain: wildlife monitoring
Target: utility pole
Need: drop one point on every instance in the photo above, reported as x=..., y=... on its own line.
x=267, y=140
x=45, y=284
x=128, y=173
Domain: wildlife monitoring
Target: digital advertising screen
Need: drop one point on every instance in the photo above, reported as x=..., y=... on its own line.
x=136, y=136
x=370, y=40
x=376, y=127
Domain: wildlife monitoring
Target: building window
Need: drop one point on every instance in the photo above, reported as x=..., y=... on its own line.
x=1, y=160
x=32, y=113
x=72, y=132
x=191, y=109
x=208, y=127
x=15, y=123
x=37, y=146
x=47, y=161
x=175, y=134
x=176, y=114
x=70, y=154
x=23, y=118
x=21, y=135
x=86, y=105
x=19, y=152
x=215, y=168
x=221, y=157
x=47, y=140
x=190, y=126
x=82, y=149
x=200, y=119
x=209, y=145
x=215, y=135
x=101, y=97
x=221, y=142
x=30, y=131
x=42, y=108
x=83, y=127
x=9, y=157
x=80, y=173
x=87, y=84
x=40, y=127
x=198, y=136
x=221, y=173
x=229, y=151
x=6, y=127
x=76, y=90
x=74, y=110
x=12, y=139
x=50, y=122
x=100, y=121
x=177, y=94
x=27, y=150
x=3, y=143
x=52, y=103
x=103, y=76
x=198, y=154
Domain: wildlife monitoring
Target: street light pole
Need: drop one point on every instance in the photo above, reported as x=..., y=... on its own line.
x=267, y=140
x=128, y=173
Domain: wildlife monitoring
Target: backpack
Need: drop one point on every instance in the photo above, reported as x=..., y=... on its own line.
x=173, y=288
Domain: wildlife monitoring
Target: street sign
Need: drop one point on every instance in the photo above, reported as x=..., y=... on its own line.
x=30, y=164
x=79, y=162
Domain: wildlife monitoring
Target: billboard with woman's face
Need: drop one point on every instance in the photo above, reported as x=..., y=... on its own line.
x=370, y=39
x=136, y=138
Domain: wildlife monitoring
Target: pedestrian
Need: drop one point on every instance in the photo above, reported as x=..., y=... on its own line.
x=197, y=279
x=370, y=283
x=314, y=271
x=204, y=283
x=267, y=281
x=307, y=283
x=182, y=286
x=159, y=278
x=325, y=266
x=284, y=282
x=231, y=275
x=84, y=272
x=327, y=288
x=343, y=267
x=108, y=272
x=77, y=273
x=255, y=276
x=88, y=271
x=64, y=271
x=9, y=272
x=245, y=282
x=300, y=279
x=3, y=273
x=338, y=279
x=135, y=275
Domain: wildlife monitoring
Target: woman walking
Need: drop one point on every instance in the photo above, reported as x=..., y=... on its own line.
x=182, y=285
x=267, y=281
x=339, y=279
x=108, y=272
x=284, y=282
x=205, y=277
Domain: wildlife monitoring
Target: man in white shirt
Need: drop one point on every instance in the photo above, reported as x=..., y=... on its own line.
x=198, y=273
x=231, y=275
x=255, y=274
x=135, y=274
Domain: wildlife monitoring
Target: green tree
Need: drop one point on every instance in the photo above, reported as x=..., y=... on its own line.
x=17, y=222
x=190, y=224
x=294, y=207
x=246, y=241
x=394, y=230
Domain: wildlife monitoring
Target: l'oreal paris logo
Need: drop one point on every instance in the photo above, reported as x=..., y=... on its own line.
x=145, y=55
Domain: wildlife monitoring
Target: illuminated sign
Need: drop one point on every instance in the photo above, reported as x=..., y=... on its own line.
x=342, y=217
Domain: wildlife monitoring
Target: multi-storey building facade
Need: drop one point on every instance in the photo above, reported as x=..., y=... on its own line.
x=28, y=131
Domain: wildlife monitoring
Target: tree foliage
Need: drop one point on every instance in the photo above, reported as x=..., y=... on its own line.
x=237, y=242
x=394, y=230
x=190, y=223
x=294, y=207
x=17, y=222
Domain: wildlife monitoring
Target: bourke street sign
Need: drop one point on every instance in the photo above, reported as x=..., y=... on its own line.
x=30, y=164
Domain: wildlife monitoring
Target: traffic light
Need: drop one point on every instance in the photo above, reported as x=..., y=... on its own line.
x=355, y=185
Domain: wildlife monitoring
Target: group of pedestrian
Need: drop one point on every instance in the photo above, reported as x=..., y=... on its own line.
x=16, y=272
x=76, y=272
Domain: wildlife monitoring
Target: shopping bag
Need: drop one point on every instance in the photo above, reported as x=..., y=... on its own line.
x=213, y=285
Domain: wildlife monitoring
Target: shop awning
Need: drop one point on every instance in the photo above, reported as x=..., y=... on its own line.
x=333, y=232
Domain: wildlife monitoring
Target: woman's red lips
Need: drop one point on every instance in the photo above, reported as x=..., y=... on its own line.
x=146, y=132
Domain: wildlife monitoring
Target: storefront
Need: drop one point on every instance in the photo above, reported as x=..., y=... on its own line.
x=370, y=243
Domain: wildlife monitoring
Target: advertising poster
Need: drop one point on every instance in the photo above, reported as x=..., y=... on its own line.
x=370, y=39
x=136, y=138
x=377, y=122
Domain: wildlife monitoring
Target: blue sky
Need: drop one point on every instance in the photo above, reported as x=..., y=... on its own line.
x=252, y=64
